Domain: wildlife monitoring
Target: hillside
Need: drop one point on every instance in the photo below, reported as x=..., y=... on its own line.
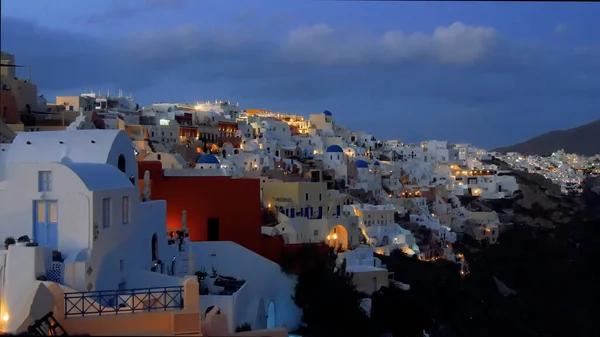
x=581, y=140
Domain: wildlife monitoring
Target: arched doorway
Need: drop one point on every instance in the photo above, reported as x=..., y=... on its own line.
x=271, y=315
x=154, y=252
x=385, y=241
x=338, y=236
x=154, y=247
x=121, y=163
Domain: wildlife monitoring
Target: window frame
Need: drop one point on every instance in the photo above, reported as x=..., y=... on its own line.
x=106, y=212
x=126, y=205
x=44, y=181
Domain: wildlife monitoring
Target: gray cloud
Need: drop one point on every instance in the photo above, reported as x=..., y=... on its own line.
x=323, y=45
x=562, y=28
x=118, y=10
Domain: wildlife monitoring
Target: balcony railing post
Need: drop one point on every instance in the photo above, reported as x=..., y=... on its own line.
x=149, y=300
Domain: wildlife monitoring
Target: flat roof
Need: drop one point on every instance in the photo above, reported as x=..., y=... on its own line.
x=362, y=268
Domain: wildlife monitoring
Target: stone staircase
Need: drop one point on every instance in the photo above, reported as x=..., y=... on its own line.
x=183, y=260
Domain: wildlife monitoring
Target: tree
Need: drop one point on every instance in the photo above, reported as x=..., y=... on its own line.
x=398, y=312
x=328, y=298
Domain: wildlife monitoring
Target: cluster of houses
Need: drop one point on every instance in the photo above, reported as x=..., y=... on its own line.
x=174, y=218
x=565, y=170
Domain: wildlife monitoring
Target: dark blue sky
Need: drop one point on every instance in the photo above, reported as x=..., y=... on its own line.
x=490, y=73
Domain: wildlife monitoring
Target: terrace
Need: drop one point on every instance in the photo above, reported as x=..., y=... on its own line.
x=115, y=302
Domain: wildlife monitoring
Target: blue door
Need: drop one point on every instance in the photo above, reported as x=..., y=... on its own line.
x=320, y=212
x=45, y=223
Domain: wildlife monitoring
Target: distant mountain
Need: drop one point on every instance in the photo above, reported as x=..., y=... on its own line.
x=583, y=140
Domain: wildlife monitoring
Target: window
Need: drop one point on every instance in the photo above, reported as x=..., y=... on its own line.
x=306, y=196
x=125, y=210
x=320, y=197
x=316, y=232
x=70, y=108
x=44, y=181
x=121, y=265
x=105, y=212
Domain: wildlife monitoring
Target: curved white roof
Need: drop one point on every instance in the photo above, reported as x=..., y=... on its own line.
x=89, y=146
x=98, y=177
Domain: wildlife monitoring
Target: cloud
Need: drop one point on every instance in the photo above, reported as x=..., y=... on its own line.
x=444, y=74
x=456, y=61
x=117, y=10
x=455, y=44
x=562, y=28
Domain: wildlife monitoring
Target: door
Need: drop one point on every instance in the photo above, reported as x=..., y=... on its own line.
x=45, y=228
x=212, y=229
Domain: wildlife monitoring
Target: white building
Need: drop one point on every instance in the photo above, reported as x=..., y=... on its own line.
x=334, y=158
x=71, y=191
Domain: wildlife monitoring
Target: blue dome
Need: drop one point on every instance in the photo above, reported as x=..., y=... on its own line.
x=361, y=164
x=376, y=163
x=334, y=148
x=207, y=159
x=327, y=113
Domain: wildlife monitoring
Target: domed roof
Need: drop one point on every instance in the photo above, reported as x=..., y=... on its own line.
x=361, y=164
x=334, y=148
x=207, y=159
x=327, y=113
x=376, y=163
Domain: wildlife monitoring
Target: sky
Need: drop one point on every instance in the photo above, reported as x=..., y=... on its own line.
x=487, y=73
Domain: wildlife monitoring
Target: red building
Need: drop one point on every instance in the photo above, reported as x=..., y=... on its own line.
x=218, y=208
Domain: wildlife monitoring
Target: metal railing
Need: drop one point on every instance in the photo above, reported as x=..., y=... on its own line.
x=80, y=304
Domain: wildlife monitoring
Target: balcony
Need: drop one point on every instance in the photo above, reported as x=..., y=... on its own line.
x=80, y=304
